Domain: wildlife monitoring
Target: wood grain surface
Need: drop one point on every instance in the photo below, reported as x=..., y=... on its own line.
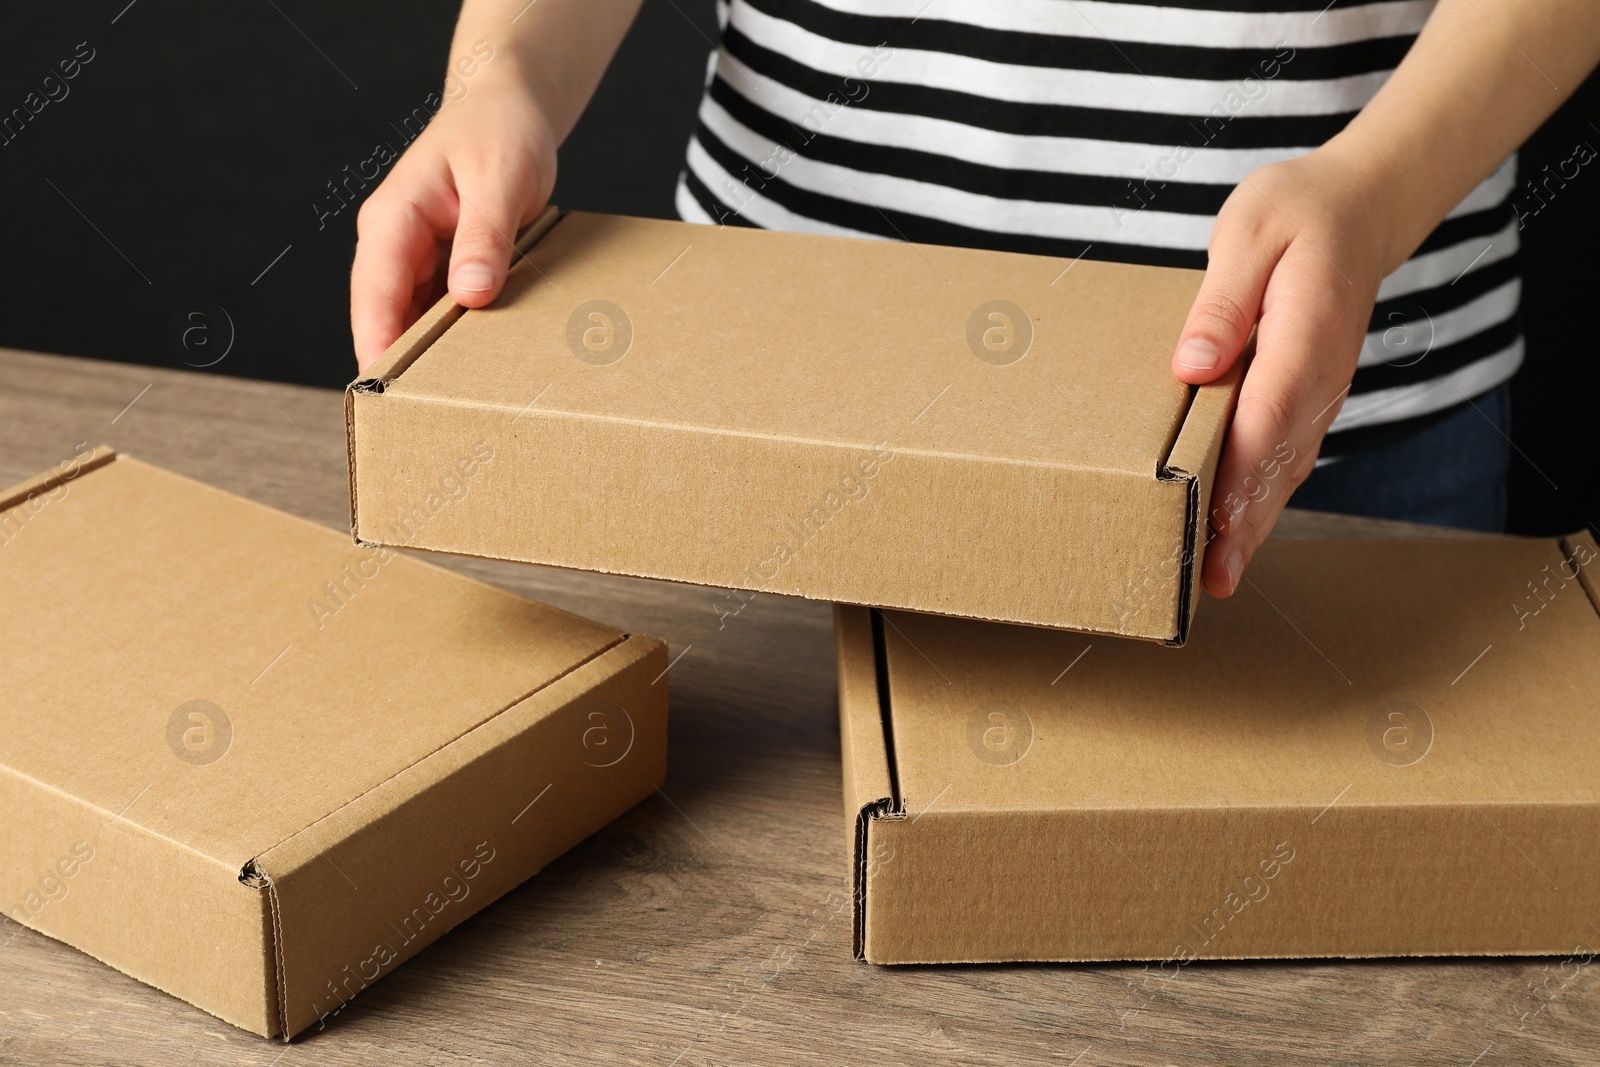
x=698, y=929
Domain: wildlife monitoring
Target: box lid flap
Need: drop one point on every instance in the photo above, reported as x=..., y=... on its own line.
x=1362, y=673
x=224, y=674
x=994, y=355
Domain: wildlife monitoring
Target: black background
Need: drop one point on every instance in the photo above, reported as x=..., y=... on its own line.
x=201, y=136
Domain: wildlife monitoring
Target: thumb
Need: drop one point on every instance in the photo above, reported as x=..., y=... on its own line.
x=480, y=256
x=1224, y=311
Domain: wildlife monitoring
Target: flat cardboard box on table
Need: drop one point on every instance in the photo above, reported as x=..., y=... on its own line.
x=1373, y=749
x=945, y=430
x=256, y=766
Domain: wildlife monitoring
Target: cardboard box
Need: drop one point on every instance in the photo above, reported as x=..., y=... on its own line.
x=253, y=765
x=946, y=430
x=1373, y=749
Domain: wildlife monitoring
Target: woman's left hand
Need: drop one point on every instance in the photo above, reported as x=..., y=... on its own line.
x=1297, y=253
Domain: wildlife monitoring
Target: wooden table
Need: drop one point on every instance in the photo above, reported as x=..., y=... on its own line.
x=692, y=931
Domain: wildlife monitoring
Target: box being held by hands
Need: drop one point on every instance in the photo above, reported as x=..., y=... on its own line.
x=945, y=430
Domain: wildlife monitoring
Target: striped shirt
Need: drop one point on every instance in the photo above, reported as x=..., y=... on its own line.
x=1112, y=130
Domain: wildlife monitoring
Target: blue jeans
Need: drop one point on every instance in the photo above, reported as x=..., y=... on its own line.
x=1452, y=473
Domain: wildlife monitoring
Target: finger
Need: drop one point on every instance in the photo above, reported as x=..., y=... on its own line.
x=1305, y=355
x=427, y=294
x=396, y=253
x=1229, y=301
x=493, y=208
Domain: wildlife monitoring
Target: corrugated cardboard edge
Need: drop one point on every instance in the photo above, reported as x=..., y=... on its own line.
x=864, y=734
x=1569, y=547
x=417, y=340
x=1193, y=458
x=631, y=659
x=55, y=477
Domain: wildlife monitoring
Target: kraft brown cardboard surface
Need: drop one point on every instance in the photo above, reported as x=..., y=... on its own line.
x=1373, y=749
x=947, y=430
x=251, y=764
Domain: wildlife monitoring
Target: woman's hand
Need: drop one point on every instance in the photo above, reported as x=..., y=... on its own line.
x=1297, y=253
x=449, y=211
x=1300, y=247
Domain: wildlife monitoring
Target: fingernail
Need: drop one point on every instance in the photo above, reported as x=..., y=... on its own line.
x=1198, y=354
x=1232, y=561
x=471, y=278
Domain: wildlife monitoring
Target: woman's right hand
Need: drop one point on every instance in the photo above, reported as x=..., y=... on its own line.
x=447, y=214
